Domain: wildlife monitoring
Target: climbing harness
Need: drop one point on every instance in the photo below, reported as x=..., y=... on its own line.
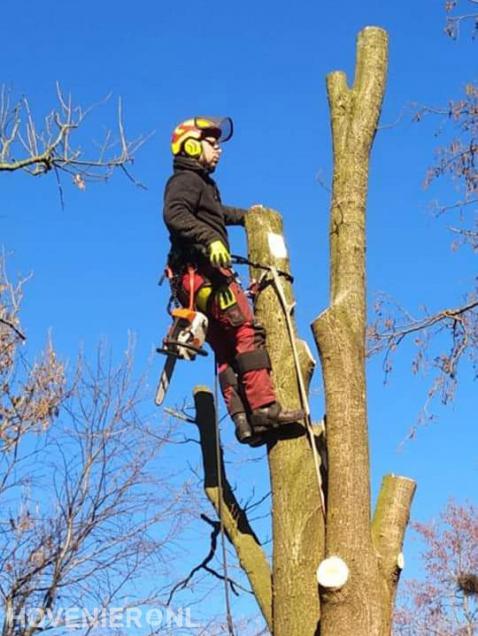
x=275, y=277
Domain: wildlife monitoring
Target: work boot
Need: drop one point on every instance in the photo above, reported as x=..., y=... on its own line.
x=243, y=428
x=271, y=416
x=244, y=432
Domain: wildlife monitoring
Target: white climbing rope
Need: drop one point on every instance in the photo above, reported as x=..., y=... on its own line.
x=287, y=308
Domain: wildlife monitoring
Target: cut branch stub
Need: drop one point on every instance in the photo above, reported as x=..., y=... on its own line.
x=236, y=524
x=332, y=573
x=390, y=521
x=401, y=561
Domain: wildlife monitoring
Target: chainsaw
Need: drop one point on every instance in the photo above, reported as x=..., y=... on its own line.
x=183, y=341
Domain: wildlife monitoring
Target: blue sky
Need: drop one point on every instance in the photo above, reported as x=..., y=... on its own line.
x=96, y=263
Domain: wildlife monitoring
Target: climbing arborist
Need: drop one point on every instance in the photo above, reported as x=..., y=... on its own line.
x=200, y=264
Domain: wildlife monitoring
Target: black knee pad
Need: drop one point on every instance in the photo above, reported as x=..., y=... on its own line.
x=252, y=361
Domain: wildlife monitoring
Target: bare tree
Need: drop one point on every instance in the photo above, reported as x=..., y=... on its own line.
x=38, y=150
x=86, y=509
x=30, y=395
x=444, y=601
x=89, y=514
x=445, y=339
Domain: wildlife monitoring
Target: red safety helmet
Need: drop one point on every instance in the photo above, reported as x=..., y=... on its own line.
x=188, y=134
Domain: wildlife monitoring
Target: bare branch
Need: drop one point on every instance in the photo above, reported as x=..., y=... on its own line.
x=204, y=565
x=454, y=22
x=23, y=147
x=86, y=507
x=378, y=340
x=108, y=515
x=452, y=332
x=14, y=328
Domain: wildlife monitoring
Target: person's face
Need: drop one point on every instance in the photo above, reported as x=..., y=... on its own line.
x=211, y=152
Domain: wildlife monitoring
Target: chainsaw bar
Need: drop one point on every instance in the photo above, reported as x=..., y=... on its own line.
x=165, y=379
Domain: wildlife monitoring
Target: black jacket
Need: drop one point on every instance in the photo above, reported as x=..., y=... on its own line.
x=193, y=212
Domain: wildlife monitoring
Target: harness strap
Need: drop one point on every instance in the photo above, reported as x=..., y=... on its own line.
x=242, y=260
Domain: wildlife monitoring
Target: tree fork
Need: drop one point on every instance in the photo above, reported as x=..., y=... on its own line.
x=298, y=529
x=340, y=336
x=236, y=524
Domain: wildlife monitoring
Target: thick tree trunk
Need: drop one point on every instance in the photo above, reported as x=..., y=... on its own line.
x=357, y=609
x=297, y=516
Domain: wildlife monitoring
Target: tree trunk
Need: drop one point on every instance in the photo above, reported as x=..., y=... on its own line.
x=298, y=530
x=358, y=608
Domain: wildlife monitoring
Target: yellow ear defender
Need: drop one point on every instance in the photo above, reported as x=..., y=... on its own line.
x=192, y=148
x=188, y=134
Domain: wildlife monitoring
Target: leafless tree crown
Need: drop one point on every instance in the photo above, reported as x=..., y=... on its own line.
x=85, y=507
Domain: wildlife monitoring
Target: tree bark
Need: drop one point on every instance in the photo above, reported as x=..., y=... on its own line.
x=298, y=530
x=357, y=609
x=390, y=520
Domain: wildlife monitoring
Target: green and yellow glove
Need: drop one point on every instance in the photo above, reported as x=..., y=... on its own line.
x=218, y=255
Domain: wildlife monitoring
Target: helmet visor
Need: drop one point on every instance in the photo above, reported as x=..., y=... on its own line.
x=219, y=127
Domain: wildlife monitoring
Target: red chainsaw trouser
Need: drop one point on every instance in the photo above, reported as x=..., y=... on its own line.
x=238, y=342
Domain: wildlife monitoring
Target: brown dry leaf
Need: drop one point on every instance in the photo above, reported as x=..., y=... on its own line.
x=79, y=181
